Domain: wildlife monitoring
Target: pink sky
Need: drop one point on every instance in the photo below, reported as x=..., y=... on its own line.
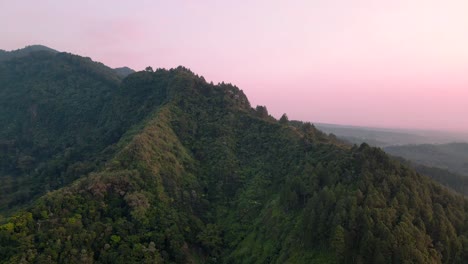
x=400, y=63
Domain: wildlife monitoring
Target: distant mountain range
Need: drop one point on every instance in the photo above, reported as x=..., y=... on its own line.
x=445, y=162
x=6, y=55
x=382, y=137
x=161, y=166
x=124, y=71
x=452, y=157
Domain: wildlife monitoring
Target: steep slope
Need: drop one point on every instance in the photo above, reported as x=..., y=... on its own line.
x=62, y=114
x=452, y=157
x=453, y=181
x=50, y=105
x=449, y=179
x=197, y=176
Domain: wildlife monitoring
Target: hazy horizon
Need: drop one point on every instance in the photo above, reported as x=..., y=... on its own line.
x=366, y=63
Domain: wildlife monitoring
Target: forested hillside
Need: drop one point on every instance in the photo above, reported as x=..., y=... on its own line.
x=55, y=108
x=179, y=170
x=452, y=180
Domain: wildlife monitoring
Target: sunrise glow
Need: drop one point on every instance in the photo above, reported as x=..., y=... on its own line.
x=374, y=63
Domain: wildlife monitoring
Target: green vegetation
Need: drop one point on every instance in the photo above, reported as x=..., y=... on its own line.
x=454, y=181
x=184, y=171
x=64, y=114
x=51, y=104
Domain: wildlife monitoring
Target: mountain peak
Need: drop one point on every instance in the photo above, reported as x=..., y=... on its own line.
x=6, y=55
x=35, y=47
x=124, y=71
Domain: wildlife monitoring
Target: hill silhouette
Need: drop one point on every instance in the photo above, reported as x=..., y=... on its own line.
x=6, y=55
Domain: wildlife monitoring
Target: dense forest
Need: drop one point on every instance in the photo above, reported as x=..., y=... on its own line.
x=451, y=180
x=164, y=167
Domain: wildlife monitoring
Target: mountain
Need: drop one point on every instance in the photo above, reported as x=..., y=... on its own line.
x=6, y=55
x=452, y=157
x=445, y=163
x=383, y=137
x=58, y=122
x=164, y=167
x=451, y=180
x=124, y=71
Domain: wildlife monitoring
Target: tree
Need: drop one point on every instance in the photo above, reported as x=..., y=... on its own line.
x=262, y=111
x=337, y=242
x=284, y=119
x=211, y=240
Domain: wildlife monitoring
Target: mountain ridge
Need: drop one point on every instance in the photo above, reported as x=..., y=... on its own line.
x=6, y=55
x=190, y=172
